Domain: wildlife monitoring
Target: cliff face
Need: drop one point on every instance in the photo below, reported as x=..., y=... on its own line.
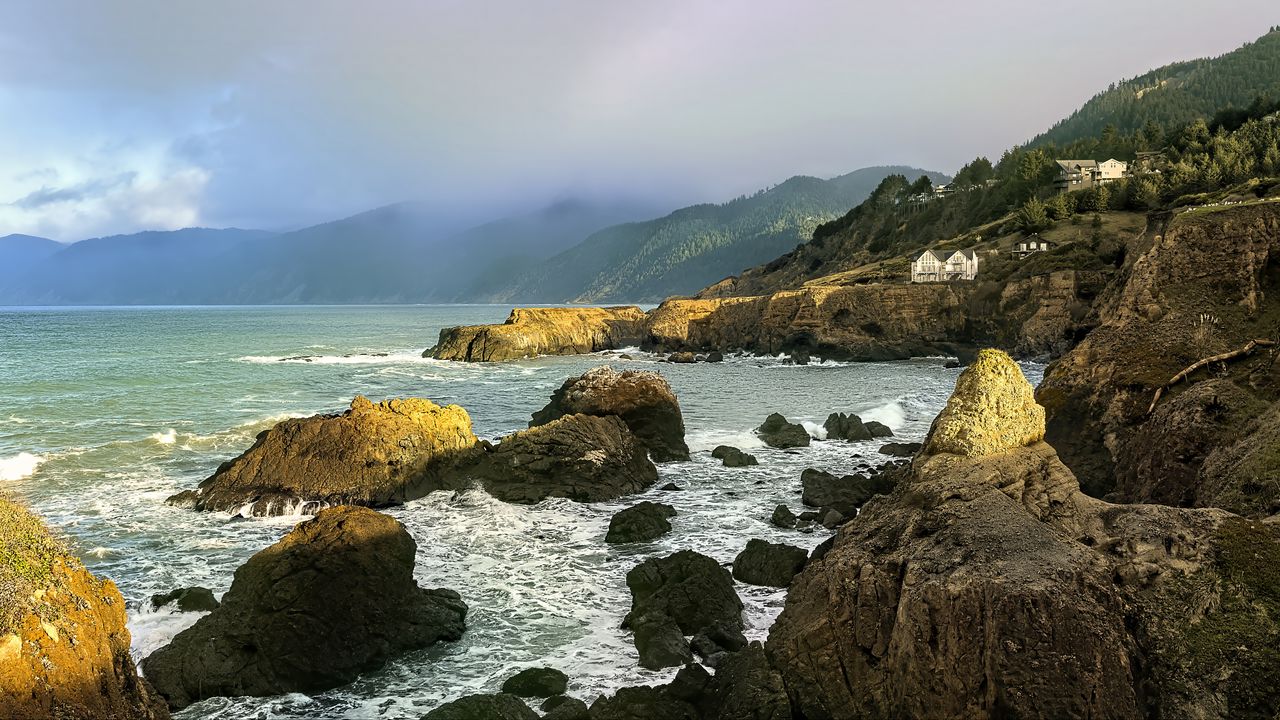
x=64, y=647
x=1204, y=283
x=529, y=332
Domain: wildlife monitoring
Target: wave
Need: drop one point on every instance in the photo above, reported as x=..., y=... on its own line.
x=168, y=437
x=890, y=413
x=20, y=466
x=707, y=440
x=151, y=629
x=816, y=431
x=375, y=358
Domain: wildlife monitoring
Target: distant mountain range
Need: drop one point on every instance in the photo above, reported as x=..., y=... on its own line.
x=574, y=250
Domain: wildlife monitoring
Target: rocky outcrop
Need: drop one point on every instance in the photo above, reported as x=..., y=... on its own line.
x=745, y=687
x=501, y=706
x=640, y=523
x=733, y=457
x=374, y=454
x=642, y=399
x=332, y=599
x=988, y=585
x=676, y=596
x=537, y=682
x=585, y=458
x=190, y=599
x=844, y=494
x=530, y=332
x=776, y=432
x=64, y=646
x=770, y=564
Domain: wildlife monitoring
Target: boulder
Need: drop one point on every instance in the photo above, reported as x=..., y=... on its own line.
x=333, y=598
x=845, y=494
x=733, y=457
x=878, y=429
x=715, y=356
x=682, y=358
x=951, y=364
x=993, y=409
x=769, y=564
x=660, y=642
x=746, y=686
x=192, y=599
x=641, y=522
x=566, y=708
x=64, y=645
x=501, y=706
x=783, y=517
x=897, y=449
x=776, y=432
x=537, y=682
x=373, y=455
x=840, y=426
x=800, y=357
x=586, y=458
x=642, y=703
x=642, y=399
x=530, y=332
x=679, y=595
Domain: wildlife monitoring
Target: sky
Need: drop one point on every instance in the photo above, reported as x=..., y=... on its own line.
x=133, y=115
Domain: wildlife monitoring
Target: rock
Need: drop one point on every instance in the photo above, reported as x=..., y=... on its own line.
x=845, y=494
x=679, y=595
x=840, y=426
x=192, y=599
x=585, y=458
x=776, y=432
x=682, y=357
x=537, y=682
x=748, y=687
x=715, y=356
x=782, y=517
x=951, y=364
x=567, y=709
x=993, y=409
x=530, y=332
x=639, y=523
x=832, y=518
x=897, y=449
x=878, y=430
x=770, y=564
x=483, y=707
x=733, y=457
x=659, y=642
x=373, y=455
x=642, y=399
x=642, y=703
x=335, y=597
x=64, y=645
x=671, y=487
x=800, y=357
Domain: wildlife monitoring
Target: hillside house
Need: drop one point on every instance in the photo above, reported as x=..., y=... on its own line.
x=1084, y=174
x=1030, y=245
x=935, y=266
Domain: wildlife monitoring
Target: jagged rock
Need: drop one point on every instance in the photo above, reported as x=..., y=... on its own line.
x=530, y=332
x=878, y=430
x=782, y=517
x=567, y=709
x=897, y=449
x=581, y=457
x=682, y=357
x=776, y=432
x=537, y=682
x=642, y=399
x=840, y=426
x=500, y=706
x=845, y=494
x=715, y=356
x=192, y=599
x=639, y=523
x=671, y=487
x=800, y=357
x=770, y=564
x=679, y=595
x=373, y=455
x=64, y=646
x=332, y=599
x=659, y=641
x=992, y=409
x=733, y=457
x=748, y=687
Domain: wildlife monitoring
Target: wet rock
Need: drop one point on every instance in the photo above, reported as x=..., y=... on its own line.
x=679, y=595
x=715, y=356
x=659, y=641
x=897, y=449
x=800, y=357
x=671, y=487
x=840, y=426
x=717, y=640
x=640, y=523
x=782, y=517
x=64, y=645
x=733, y=457
x=566, y=709
x=845, y=494
x=580, y=457
x=749, y=687
x=684, y=358
x=332, y=599
x=373, y=454
x=951, y=364
x=642, y=703
x=769, y=564
x=501, y=706
x=192, y=599
x=536, y=682
x=642, y=399
x=878, y=430
x=832, y=518
x=776, y=432
x=530, y=332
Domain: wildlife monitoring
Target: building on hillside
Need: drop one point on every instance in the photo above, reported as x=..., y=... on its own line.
x=942, y=190
x=1147, y=161
x=936, y=266
x=1111, y=171
x=1030, y=245
x=1084, y=174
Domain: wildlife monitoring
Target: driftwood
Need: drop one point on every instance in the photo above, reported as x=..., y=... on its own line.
x=1243, y=350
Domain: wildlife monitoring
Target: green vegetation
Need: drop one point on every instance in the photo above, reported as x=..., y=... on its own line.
x=28, y=553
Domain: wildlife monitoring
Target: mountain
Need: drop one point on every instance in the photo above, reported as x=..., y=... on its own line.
x=694, y=246
x=18, y=253
x=1177, y=93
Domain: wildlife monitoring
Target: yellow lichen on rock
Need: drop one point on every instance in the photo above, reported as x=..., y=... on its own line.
x=992, y=410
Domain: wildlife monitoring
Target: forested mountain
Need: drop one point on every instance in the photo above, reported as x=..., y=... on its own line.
x=693, y=246
x=18, y=253
x=1176, y=94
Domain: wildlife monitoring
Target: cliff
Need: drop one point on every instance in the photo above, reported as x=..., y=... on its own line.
x=529, y=332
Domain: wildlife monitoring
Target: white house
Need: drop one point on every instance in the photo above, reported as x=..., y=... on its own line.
x=935, y=266
x=1029, y=245
x=1110, y=171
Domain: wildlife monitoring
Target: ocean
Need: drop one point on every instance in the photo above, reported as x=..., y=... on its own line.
x=105, y=412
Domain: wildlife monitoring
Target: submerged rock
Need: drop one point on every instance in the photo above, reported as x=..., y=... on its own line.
x=642, y=399
x=897, y=449
x=770, y=564
x=537, y=682
x=373, y=455
x=733, y=457
x=192, y=599
x=783, y=517
x=840, y=426
x=639, y=523
x=776, y=432
x=332, y=599
x=64, y=645
x=530, y=332
x=501, y=706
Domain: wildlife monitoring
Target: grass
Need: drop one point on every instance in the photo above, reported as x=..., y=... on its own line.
x=28, y=553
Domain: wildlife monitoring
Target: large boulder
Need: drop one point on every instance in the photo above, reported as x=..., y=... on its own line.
x=681, y=594
x=502, y=706
x=642, y=399
x=374, y=454
x=988, y=585
x=641, y=522
x=733, y=457
x=769, y=564
x=64, y=646
x=530, y=332
x=776, y=432
x=586, y=458
x=335, y=597
x=846, y=494
x=745, y=687
x=188, y=599
x=540, y=682
x=840, y=426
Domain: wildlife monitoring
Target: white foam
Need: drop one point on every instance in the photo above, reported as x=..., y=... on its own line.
x=816, y=431
x=707, y=440
x=168, y=437
x=20, y=466
x=890, y=413
x=153, y=629
x=380, y=358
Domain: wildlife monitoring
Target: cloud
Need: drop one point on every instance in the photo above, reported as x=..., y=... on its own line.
x=77, y=193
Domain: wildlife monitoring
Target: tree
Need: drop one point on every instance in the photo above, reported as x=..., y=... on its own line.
x=977, y=172
x=1032, y=217
x=922, y=186
x=1061, y=206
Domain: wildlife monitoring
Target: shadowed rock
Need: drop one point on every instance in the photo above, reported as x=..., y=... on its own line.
x=501, y=706
x=733, y=457
x=776, y=432
x=770, y=564
x=679, y=595
x=536, y=682
x=192, y=599
x=640, y=523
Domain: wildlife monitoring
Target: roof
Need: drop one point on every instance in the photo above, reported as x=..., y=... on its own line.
x=1074, y=164
x=970, y=253
x=936, y=256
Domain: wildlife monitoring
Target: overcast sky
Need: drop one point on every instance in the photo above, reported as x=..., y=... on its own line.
x=121, y=116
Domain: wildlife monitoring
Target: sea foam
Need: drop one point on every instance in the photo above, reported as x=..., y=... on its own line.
x=17, y=467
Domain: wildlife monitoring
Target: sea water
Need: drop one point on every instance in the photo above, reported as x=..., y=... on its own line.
x=105, y=412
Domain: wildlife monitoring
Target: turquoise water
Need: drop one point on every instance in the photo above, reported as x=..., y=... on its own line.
x=105, y=412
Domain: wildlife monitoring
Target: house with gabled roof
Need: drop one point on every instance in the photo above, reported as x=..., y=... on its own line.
x=1084, y=174
x=937, y=266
